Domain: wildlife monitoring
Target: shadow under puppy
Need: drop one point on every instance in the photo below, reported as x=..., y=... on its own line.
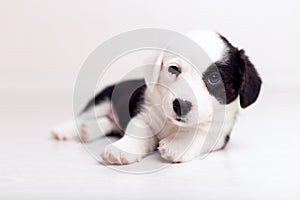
x=180, y=111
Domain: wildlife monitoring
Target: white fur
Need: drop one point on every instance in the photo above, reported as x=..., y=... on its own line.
x=178, y=142
x=91, y=124
x=210, y=42
x=97, y=127
x=137, y=142
x=64, y=131
x=156, y=124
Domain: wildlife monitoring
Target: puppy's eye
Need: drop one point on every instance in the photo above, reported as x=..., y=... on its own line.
x=214, y=78
x=173, y=69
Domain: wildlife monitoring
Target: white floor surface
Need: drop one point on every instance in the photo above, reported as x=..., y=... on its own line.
x=261, y=161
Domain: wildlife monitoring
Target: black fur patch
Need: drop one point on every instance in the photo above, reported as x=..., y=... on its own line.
x=226, y=140
x=239, y=77
x=228, y=89
x=251, y=82
x=105, y=94
x=126, y=97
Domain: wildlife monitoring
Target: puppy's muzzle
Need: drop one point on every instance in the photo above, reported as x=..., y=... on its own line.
x=181, y=107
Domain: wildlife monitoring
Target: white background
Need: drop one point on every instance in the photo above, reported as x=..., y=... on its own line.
x=43, y=44
x=49, y=40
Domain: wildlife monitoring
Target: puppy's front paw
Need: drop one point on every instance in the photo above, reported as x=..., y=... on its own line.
x=114, y=155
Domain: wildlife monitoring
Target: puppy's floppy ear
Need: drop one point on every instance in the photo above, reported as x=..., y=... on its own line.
x=152, y=75
x=251, y=82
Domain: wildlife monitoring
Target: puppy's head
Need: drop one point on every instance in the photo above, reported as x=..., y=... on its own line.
x=187, y=92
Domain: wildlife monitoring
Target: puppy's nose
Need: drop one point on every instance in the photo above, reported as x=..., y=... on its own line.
x=181, y=107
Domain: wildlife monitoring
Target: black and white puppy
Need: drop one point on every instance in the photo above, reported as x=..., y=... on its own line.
x=176, y=113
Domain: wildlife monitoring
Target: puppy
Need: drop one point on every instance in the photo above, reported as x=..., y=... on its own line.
x=181, y=110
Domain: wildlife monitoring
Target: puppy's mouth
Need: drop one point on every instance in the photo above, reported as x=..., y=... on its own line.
x=180, y=119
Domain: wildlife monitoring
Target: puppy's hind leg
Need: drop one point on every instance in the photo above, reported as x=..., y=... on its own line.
x=64, y=131
x=97, y=127
x=68, y=129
